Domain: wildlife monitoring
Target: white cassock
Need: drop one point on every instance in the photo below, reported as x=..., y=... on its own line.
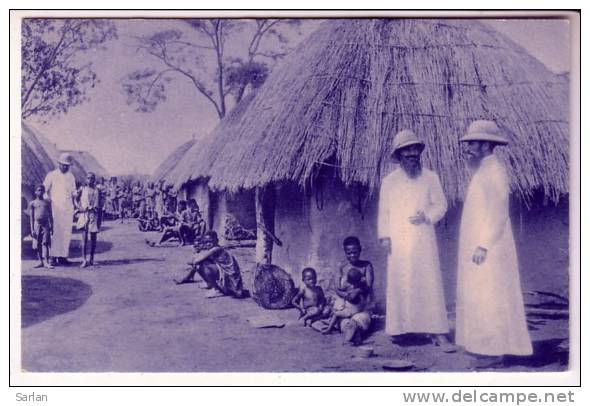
x=59, y=187
x=490, y=310
x=415, y=298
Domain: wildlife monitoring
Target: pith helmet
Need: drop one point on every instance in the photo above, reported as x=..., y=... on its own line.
x=405, y=138
x=65, y=159
x=484, y=130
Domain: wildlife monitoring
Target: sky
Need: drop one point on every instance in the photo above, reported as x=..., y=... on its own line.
x=125, y=141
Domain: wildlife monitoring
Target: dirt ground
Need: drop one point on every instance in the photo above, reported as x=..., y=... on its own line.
x=127, y=315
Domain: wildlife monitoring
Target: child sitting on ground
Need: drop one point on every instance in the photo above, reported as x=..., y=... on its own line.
x=310, y=299
x=41, y=226
x=355, y=294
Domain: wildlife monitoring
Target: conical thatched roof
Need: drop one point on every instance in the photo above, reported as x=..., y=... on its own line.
x=87, y=161
x=39, y=156
x=198, y=161
x=166, y=166
x=343, y=94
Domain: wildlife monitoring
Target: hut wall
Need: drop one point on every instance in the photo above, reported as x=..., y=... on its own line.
x=240, y=205
x=312, y=236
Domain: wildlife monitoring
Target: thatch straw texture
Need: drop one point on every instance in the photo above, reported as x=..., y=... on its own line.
x=87, y=161
x=35, y=161
x=166, y=166
x=343, y=94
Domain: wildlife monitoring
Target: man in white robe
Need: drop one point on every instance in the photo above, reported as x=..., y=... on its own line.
x=411, y=202
x=60, y=188
x=490, y=312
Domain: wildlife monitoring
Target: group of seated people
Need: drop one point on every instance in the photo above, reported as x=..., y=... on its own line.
x=347, y=305
x=183, y=223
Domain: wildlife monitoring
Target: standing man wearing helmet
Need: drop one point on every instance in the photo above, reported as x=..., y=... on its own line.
x=490, y=310
x=60, y=188
x=411, y=202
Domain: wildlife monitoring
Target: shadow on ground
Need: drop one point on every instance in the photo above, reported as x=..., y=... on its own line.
x=28, y=253
x=44, y=297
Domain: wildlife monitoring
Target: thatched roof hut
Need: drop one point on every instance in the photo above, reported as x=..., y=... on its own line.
x=166, y=166
x=343, y=94
x=40, y=156
x=35, y=161
x=87, y=161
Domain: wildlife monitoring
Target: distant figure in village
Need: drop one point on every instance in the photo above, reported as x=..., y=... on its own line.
x=355, y=295
x=309, y=299
x=160, y=197
x=411, y=202
x=192, y=224
x=124, y=197
x=102, y=198
x=41, y=226
x=88, y=203
x=60, y=189
x=218, y=268
x=358, y=324
x=114, y=191
x=150, y=197
x=137, y=199
x=490, y=312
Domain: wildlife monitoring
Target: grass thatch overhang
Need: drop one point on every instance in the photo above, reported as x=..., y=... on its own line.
x=344, y=93
x=44, y=149
x=170, y=162
x=35, y=161
x=87, y=161
x=198, y=161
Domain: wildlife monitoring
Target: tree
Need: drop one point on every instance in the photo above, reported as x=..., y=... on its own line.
x=189, y=54
x=54, y=77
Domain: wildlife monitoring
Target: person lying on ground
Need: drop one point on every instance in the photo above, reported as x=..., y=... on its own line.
x=41, y=226
x=87, y=205
x=172, y=229
x=355, y=295
x=217, y=267
x=309, y=299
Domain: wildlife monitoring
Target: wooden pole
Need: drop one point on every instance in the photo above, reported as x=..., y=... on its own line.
x=265, y=216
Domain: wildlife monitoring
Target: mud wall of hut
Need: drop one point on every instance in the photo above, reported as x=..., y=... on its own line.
x=240, y=205
x=312, y=231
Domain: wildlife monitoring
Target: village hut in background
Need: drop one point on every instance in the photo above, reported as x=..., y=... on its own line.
x=315, y=140
x=191, y=173
x=166, y=166
x=87, y=161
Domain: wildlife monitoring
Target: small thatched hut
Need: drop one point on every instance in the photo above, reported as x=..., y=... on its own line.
x=191, y=172
x=166, y=166
x=87, y=161
x=315, y=140
x=39, y=156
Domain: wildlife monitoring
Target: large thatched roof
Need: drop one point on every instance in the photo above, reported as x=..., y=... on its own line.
x=166, y=166
x=39, y=156
x=343, y=94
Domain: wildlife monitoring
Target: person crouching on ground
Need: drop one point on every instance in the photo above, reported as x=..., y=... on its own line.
x=41, y=226
x=355, y=294
x=357, y=325
x=218, y=268
x=191, y=223
x=309, y=299
x=88, y=206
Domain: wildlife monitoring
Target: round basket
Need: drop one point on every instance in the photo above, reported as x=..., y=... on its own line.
x=273, y=287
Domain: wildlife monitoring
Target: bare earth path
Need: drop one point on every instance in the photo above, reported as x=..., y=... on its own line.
x=127, y=315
